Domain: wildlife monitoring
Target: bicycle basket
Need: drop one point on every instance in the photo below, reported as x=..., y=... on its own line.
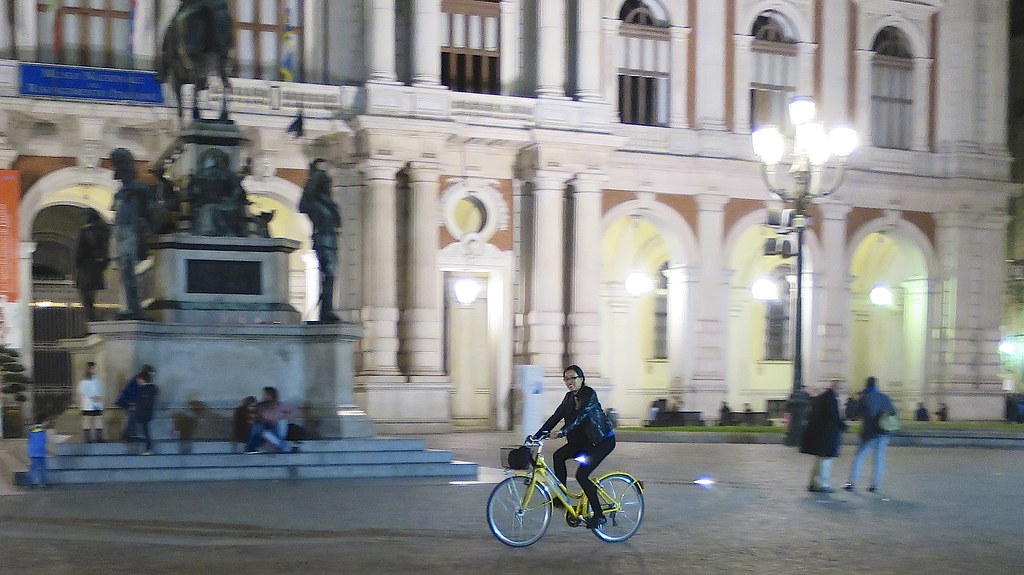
x=516, y=457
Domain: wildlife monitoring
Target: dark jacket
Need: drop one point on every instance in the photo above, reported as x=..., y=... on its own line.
x=825, y=426
x=129, y=394
x=585, y=420
x=145, y=402
x=872, y=404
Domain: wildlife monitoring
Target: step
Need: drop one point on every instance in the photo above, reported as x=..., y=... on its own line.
x=448, y=471
x=157, y=460
x=221, y=447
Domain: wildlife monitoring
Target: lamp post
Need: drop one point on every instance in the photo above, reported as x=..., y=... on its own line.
x=810, y=152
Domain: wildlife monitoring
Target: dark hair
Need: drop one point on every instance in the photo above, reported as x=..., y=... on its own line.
x=90, y=364
x=579, y=373
x=871, y=381
x=271, y=391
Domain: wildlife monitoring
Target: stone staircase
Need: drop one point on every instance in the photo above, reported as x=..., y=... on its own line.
x=222, y=461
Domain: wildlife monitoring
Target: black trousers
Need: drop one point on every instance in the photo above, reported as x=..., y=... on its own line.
x=595, y=455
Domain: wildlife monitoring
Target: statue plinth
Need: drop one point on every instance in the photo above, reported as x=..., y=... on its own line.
x=220, y=280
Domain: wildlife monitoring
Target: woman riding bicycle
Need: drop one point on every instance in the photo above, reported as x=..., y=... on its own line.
x=589, y=433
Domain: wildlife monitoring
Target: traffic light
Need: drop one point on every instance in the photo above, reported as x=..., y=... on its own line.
x=778, y=247
x=786, y=219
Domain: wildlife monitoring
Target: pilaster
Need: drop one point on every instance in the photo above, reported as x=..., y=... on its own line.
x=921, y=95
x=679, y=85
x=741, y=82
x=545, y=316
x=583, y=346
x=379, y=313
x=833, y=345
x=421, y=326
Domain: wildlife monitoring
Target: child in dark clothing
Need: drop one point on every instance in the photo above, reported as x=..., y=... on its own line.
x=37, y=454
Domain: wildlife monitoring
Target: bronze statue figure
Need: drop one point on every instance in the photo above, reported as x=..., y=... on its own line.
x=198, y=42
x=133, y=207
x=91, y=260
x=217, y=200
x=325, y=216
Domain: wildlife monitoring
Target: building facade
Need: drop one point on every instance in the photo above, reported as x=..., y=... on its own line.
x=536, y=154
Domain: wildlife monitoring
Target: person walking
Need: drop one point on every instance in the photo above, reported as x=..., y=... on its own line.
x=144, y=405
x=127, y=400
x=873, y=403
x=823, y=436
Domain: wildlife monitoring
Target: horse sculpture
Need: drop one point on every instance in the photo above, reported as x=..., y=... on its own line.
x=198, y=42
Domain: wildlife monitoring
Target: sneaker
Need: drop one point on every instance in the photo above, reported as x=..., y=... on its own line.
x=872, y=489
x=820, y=489
x=596, y=521
x=251, y=451
x=295, y=449
x=848, y=486
x=147, y=452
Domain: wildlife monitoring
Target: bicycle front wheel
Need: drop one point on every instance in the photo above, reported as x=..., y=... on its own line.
x=512, y=522
x=623, y=501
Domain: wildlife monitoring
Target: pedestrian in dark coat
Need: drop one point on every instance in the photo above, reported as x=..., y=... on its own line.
x=822, y=437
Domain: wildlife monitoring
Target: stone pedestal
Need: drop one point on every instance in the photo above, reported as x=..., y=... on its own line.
x=220, y=280
x=204, y=370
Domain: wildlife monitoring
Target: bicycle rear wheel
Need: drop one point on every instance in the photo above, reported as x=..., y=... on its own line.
x=510, y=521
x=628, y=509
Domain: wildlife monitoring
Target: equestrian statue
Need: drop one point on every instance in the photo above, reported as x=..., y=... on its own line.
x=198, y=42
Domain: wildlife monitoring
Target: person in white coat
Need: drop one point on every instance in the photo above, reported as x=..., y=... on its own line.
x=90, y=400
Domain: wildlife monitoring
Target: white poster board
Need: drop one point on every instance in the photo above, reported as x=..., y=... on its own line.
x=530, y=383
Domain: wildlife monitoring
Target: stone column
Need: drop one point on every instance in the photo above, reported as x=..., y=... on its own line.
x=971, y=247
x=427, y=38
x=144, y=37
x=26, y=29
x=421, y=328
x=588, y=67
x=551, y=48
x=511, y=45
x=612, y=57
x=709, y=366
x=583, y=347
x=833, y=341
x=805, y=69
x=379, y=313
x=921, y=94
x=863, y=96
x=680, y=72
x=711, y=66
x=24, y=304
x=680, y=324
x=545, y=315
x=741, y=84
x=380, y=41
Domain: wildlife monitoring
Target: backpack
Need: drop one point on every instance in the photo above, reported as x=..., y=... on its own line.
x=888, y=422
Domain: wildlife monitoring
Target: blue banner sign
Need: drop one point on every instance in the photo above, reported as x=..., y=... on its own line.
x=80, y=83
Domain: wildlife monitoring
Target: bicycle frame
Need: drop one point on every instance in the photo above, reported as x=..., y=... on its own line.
x=542, y=477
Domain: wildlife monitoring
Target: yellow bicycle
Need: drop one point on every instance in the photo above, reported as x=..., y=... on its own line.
x=520, y=507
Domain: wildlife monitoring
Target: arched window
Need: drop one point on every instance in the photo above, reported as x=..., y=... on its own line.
x=644, y=67
x=470, y=46
x=778, y=320
x=892, y=77
x=86, y=33
x=773, y=71
x=269, y=36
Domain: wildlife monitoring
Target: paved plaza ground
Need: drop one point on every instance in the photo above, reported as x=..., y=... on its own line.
x=941, y=510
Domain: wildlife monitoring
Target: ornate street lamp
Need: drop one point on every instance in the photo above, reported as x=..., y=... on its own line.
x=811, y=151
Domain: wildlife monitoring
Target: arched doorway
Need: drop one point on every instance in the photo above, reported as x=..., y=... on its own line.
x=890, y=301
x=645, y=311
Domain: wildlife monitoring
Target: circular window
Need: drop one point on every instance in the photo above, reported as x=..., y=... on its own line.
x=470, y=216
